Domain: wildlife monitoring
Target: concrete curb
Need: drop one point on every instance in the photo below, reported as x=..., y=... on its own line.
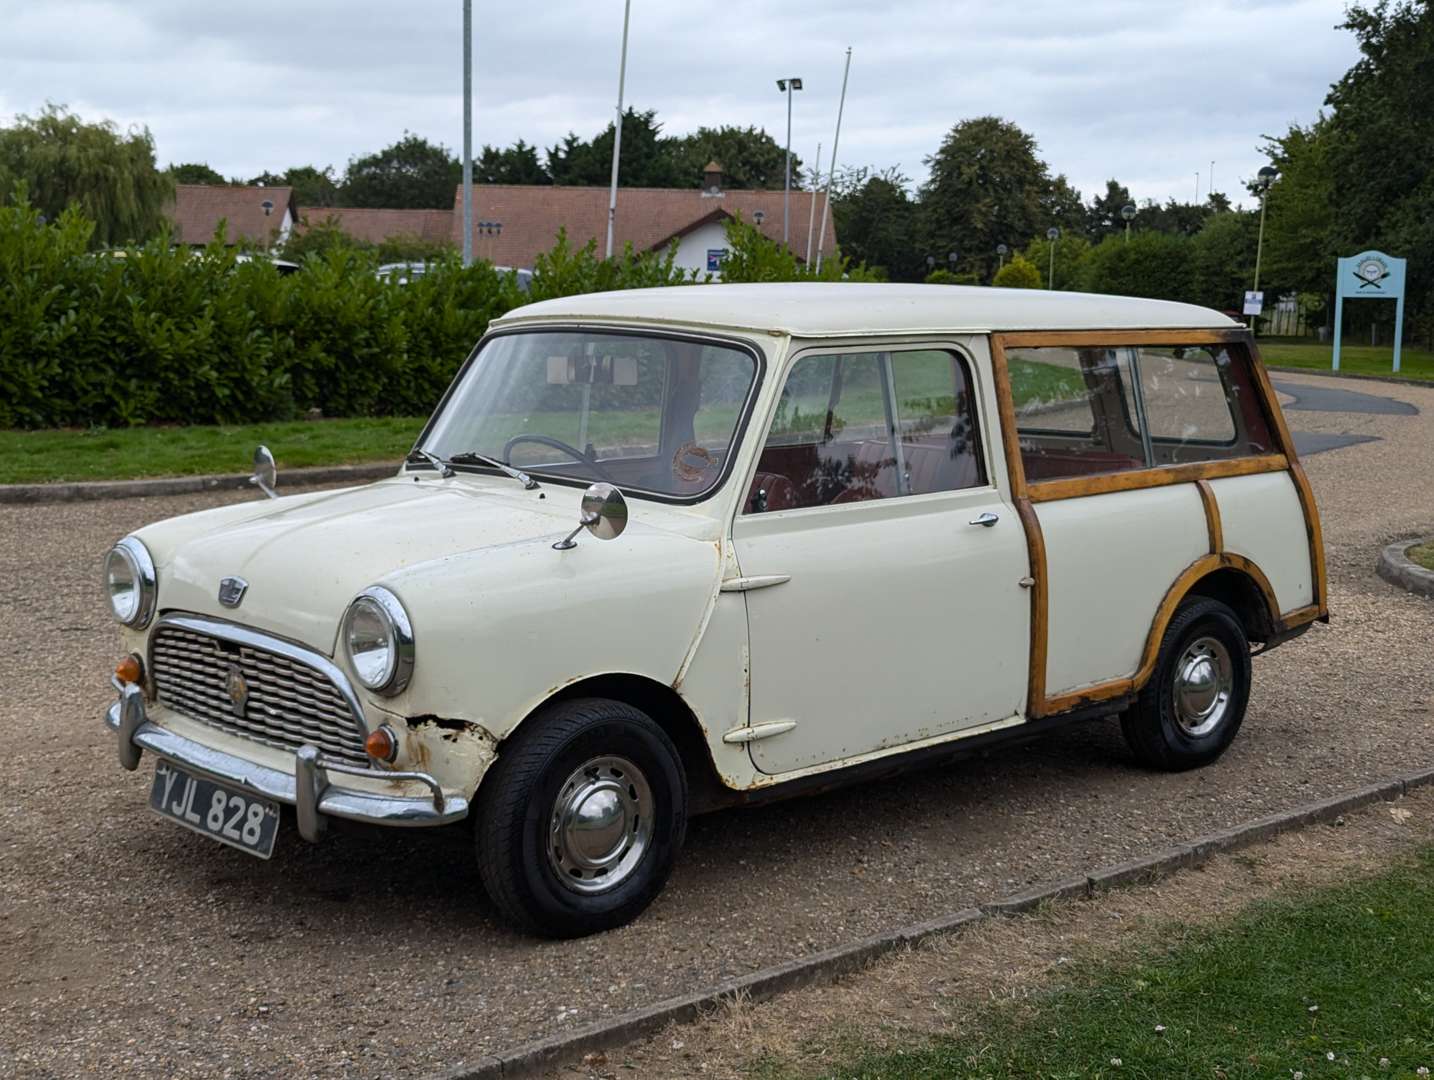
x=1324, y=373
x=187, y=485
x=1398, y=569
x=830, y=964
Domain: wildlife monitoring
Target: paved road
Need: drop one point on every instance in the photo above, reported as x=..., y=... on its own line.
x=128, y=946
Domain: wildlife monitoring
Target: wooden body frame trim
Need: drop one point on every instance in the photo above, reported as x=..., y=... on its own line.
x=1025, y=496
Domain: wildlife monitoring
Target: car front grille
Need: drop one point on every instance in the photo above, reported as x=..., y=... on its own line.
x=281, y=701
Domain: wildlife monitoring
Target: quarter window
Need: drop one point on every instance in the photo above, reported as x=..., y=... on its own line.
x=1084, y=411
x=852, y=427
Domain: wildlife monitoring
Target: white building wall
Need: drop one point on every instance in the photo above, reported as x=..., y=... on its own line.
x=692, y=249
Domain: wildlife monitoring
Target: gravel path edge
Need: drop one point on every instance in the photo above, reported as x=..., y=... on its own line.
x=1399, y=569
x=830, y=964
x=83, y=491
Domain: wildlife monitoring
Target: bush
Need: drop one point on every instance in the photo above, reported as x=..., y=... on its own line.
x=169, y=335
x=1152, y=264
x=1019, y=273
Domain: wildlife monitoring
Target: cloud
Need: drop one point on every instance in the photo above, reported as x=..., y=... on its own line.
x=1145, y=92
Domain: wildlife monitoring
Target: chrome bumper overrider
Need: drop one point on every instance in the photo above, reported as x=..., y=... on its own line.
x=308, y=789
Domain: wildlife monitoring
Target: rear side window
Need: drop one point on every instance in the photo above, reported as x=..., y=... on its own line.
x=1089, y=410
x=873, y=425
x=1201, y=404
x=1074, y=416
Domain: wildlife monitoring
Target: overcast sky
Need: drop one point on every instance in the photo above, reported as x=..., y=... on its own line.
x=1149, y=92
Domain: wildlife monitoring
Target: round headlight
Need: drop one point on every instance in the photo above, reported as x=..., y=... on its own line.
x=379, y=639
x=130, y=582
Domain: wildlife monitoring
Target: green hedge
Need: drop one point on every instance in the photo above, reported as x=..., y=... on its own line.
x=159, y=334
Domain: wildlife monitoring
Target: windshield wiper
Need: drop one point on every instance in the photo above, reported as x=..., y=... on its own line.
x=416, y=455
x=472, y=457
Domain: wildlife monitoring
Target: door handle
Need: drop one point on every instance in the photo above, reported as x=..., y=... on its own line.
x=985, y=520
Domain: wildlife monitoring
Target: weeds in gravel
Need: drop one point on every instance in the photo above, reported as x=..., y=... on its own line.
x=1339, y=983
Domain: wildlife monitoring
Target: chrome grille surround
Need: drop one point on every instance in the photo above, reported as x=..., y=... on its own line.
x=293, y=695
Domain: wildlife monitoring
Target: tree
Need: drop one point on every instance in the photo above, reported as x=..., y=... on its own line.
x=646, y=157
x=750, y=158
x=1223, y=260
x=1103, y=217
x=1061, y=205
x=412, y=174
x=195, y=173
x=1381, y=141
x=518, y=164
x=312, y=186
x=111, y=176
x=877, y=223
x=986, y=187
x=1019, y=273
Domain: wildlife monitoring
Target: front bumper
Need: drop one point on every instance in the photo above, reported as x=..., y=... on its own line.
x=308, y=790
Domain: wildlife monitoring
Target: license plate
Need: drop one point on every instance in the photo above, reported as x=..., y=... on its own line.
x=235, y=818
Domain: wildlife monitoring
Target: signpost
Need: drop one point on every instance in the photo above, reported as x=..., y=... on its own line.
x=1370, y=275
x=1254, y=302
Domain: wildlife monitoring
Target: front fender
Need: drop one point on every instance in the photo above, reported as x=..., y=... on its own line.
x=501, y=629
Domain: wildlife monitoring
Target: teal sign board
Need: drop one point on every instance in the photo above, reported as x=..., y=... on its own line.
x=1370, y=275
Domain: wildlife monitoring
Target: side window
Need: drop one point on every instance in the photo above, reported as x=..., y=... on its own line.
x=857, y=426
x=1074, y=411
x=1082, y=411
x=1201, y=403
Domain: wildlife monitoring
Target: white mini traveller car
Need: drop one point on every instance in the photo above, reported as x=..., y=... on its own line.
x=831, y=529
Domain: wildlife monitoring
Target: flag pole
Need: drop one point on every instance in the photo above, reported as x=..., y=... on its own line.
x=617, y=129
x=831, y=174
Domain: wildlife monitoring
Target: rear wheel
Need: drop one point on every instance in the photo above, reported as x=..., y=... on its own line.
x=581, y=818
x=1194, y=703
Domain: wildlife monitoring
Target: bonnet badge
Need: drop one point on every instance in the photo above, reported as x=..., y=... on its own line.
x=231, y=591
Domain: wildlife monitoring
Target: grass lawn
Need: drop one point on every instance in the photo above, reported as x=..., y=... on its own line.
x=29, y=457
x=1358, y=359
x=1423, y=554
x=1328, y=984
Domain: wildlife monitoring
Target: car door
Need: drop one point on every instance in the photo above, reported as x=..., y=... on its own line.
x=885, y=603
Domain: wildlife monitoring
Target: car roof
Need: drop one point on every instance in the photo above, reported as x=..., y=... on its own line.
x=824, y=309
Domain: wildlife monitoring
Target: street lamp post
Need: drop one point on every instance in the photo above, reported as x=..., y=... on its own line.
x=1052, y=235
x=1128, y=212
x=1265, y=178
x=787, y=86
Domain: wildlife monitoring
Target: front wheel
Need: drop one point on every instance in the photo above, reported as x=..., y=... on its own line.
x=581, y=819
x=1192, y=707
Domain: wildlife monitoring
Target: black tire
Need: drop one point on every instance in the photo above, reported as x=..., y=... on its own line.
x=1153, y=725
x=519, y=857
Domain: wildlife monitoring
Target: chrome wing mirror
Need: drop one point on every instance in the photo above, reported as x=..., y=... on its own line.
x=266, y=473
x=603, y=513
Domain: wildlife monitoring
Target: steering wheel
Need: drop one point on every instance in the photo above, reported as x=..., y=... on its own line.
x=557, y=444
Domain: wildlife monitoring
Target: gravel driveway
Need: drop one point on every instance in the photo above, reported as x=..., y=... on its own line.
x=129, y=946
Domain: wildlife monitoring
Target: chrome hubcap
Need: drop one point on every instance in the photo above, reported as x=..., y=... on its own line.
x=601, y=825
x=1204, y=683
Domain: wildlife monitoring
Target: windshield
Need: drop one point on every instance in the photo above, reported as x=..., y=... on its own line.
x=647, y=413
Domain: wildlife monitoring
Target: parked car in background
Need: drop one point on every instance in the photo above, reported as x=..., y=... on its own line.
x=665, y=550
